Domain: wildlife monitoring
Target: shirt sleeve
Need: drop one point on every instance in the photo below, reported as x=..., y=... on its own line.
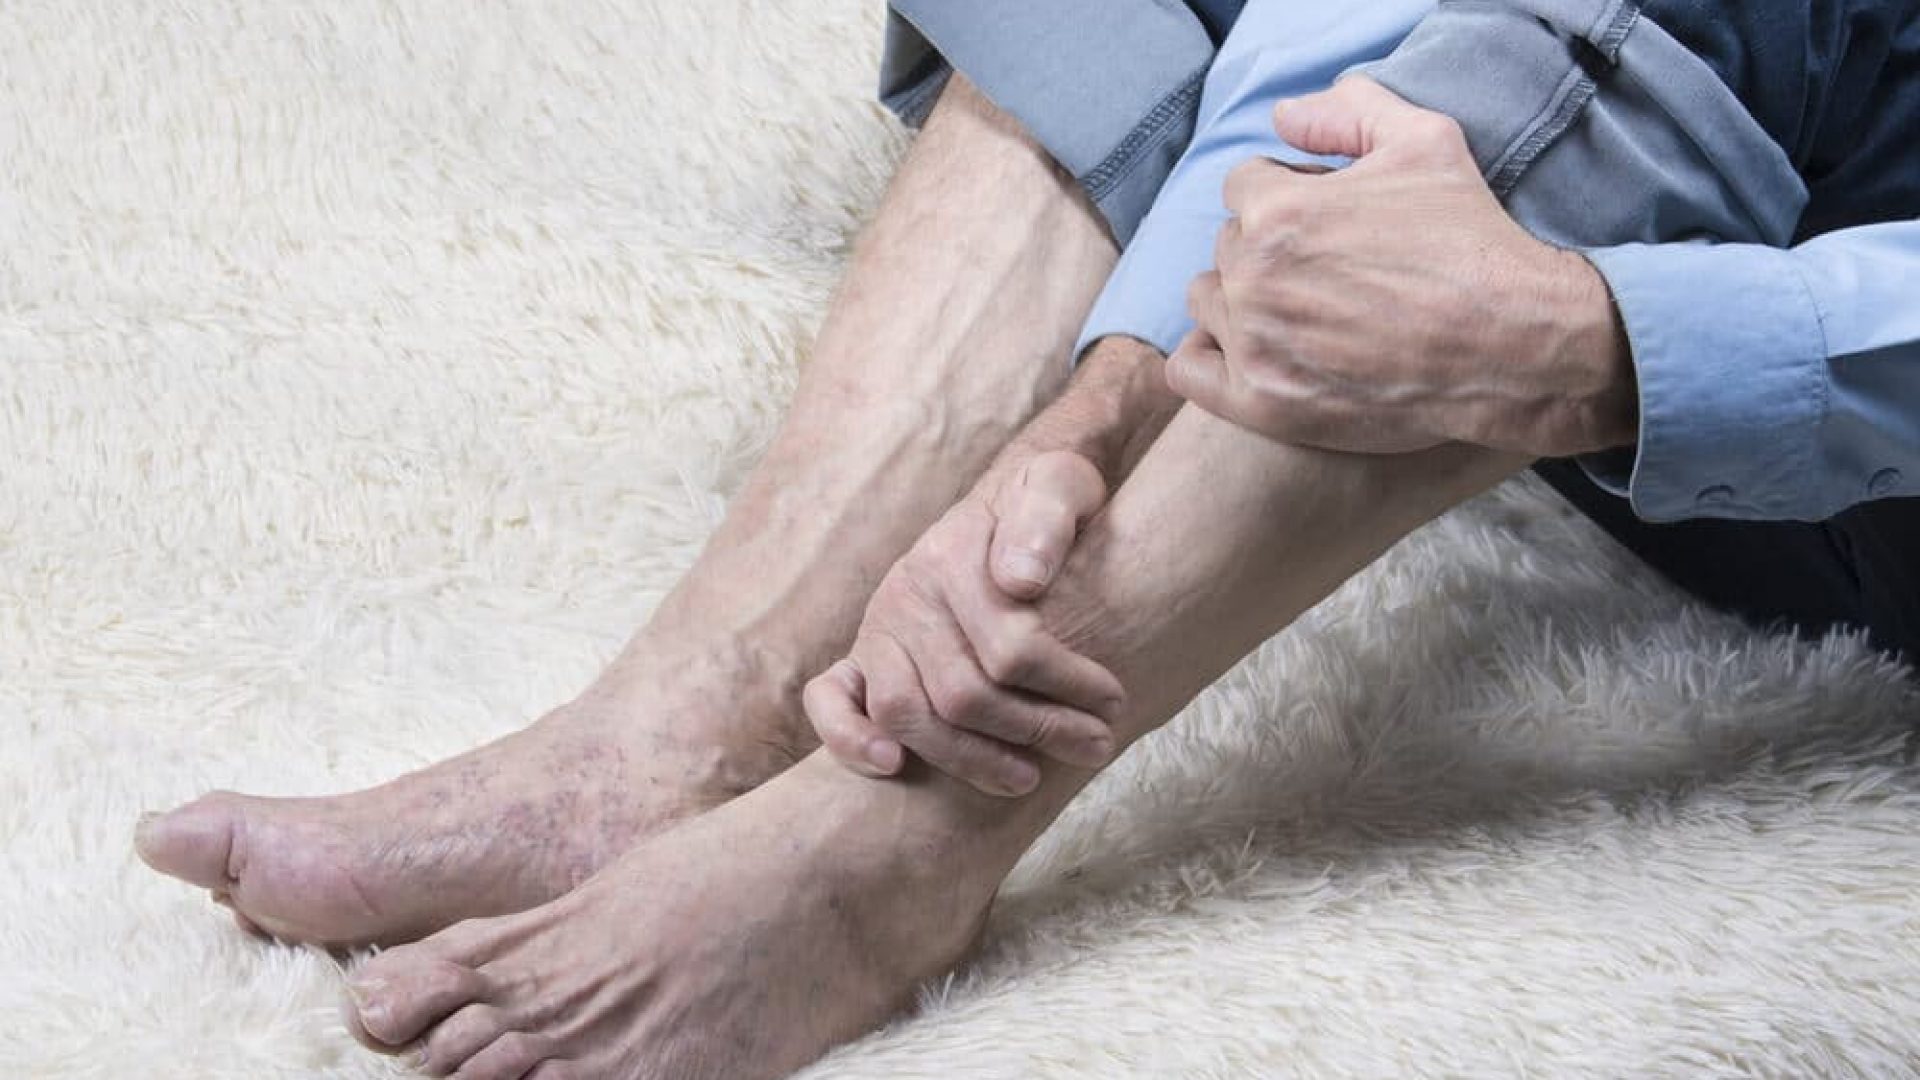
x=1774, y=384
x=1274, y=51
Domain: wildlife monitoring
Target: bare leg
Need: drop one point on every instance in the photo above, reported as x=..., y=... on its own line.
x=950, y=331
x=749, y=941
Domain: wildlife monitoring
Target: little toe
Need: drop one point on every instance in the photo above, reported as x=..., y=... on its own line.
x=193, y=843
x=509, y=1057
x=460, y=1037
x=400, y=993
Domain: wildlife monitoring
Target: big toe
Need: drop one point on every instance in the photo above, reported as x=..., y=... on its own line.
x=193, y=843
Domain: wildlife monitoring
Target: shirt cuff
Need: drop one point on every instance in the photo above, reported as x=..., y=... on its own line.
x=1146, y=297
x=1731, y=359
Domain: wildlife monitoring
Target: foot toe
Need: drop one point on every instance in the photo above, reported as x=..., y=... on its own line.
x=509, y=1057
x=459, y=1037
x=400, y=993
x=193, y=843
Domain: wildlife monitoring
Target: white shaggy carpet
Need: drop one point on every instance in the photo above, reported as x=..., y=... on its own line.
x=371, y=368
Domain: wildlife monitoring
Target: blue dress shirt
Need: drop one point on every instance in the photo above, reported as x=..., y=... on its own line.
x=1774, y=383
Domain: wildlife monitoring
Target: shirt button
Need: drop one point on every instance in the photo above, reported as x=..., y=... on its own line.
x=1717, y=495
x=1883, y=482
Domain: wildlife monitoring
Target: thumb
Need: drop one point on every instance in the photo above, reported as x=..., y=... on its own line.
x=1039, y=515
x=1354, y=118
x=1197, y=371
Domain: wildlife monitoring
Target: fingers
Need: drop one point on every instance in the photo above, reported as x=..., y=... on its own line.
x=835, y=704
x=1037, y=518
x=1197, y=371
x=966, y=696
x=1249, y=182
x=1207, y=304
x=1011, y=648
x=1357, y=117
x=899, y=701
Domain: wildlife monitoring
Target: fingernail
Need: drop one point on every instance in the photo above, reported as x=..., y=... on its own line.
x=1023, y=779
x=885, y=755
x=1090, y=753
x=418, y=1059
x=1027, y=566
x=1096, y=752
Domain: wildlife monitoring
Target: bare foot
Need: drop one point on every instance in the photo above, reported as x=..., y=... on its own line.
x=502, y=828
x=738, y=946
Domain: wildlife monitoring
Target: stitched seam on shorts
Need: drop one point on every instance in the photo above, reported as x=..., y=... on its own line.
x=1151, y=130
x=1563, y=108
x=1569, y=99
x=1626, y=13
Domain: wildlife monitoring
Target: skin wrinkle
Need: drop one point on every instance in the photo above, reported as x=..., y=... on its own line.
x=874, y=887
x=703, y=704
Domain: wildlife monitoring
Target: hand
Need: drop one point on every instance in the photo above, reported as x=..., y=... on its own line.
x=952, y=660
x=1393, y=305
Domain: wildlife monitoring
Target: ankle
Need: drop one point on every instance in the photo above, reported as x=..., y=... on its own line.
x=751, y=694
x=923, y=828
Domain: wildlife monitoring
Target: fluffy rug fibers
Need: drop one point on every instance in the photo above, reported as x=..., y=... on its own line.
x=371, y=368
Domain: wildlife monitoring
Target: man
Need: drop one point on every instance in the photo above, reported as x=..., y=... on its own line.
x=714, y=935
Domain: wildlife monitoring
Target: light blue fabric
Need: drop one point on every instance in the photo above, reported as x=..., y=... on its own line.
x=1109, y=87
x=1275, y=50
x=1774, y=384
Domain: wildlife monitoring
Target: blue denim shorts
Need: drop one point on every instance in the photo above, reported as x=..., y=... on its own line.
x=1111, y=87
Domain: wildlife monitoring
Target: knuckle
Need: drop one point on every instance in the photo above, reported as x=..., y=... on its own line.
x=964, y=701
x=1061, y=468
x=1271, y=218
x=1043, y=730
x=894, y=709
x=1010, y=657
x=937, y=546
x=1440, y=132
x=1197, y=293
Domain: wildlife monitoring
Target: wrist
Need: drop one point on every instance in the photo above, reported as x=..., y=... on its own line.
x=1602, y=400
x=1114, y=407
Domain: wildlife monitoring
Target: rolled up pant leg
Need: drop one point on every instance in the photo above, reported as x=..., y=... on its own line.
x=1596, y=126
x=1110, y=87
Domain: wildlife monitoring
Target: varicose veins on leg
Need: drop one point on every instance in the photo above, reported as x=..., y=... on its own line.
x=949, y=332
x=747, y=943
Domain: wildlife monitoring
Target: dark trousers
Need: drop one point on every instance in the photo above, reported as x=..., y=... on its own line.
x=1857, y=570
